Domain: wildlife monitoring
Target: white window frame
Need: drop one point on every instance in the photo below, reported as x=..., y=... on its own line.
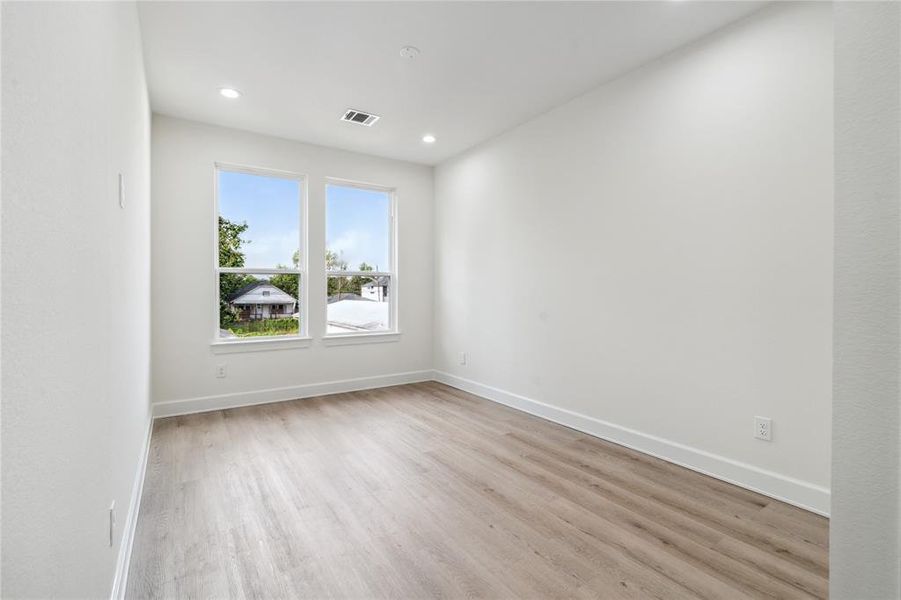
x=393, y=331
x=302, y=338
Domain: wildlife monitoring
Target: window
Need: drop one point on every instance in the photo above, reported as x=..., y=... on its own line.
x=359, y=260
x=260, y=258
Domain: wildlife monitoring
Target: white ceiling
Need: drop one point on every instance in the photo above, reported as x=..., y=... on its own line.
x=484, y=67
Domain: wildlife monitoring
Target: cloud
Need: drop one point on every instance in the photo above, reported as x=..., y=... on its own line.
x=356, y=247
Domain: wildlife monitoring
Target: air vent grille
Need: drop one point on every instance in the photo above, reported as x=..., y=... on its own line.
x=359, y=117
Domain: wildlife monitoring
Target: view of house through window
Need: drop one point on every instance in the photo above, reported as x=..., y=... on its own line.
x=259, y=264
x=358, y=259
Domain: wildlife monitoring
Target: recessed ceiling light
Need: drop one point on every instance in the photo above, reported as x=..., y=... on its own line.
x=409, y=51
x=429, y=138
x=231, y=93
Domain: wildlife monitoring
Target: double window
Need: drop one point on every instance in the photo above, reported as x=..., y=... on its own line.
x=261, y=258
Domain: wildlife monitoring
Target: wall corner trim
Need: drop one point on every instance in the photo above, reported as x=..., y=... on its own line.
x=172, y=408
x=120, y=581
x=799, y=493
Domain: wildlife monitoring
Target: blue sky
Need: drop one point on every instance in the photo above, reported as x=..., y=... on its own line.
x=271, y=208
x=357, y=220
x=357, y=225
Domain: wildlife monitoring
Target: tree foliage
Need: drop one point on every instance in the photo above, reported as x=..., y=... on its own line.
x=336, y=262
x=357, y=282
x=288, y=282
x=230, y=242
x=230, y=255
x=337, y=286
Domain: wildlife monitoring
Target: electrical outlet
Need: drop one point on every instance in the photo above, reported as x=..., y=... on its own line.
x=112, y=522
x=763, y=428
x=462, y=358
x=221, y=371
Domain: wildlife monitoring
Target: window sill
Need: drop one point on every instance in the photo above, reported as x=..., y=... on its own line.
x=348, y=339
x=258, y=345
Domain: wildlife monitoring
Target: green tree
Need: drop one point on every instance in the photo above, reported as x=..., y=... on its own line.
x=336, y=262
x=230, y=243
x=357, y=282
x=230, y=255
x=288, y=282
x=344, y=285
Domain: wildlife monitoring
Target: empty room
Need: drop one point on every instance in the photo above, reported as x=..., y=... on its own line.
x=413, y=300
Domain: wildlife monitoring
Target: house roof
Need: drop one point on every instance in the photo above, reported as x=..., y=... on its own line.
x=347, y=296
x=378, y=281
x=244, y=289
x=253, y=294
x=350, y=315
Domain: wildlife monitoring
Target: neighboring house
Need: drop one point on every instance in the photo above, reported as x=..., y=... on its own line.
x=376, y=289
x=262, y=300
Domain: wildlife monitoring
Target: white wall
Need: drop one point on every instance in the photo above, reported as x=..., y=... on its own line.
x=657, y=255
x=184, y=366
x=76, y=291
x=865, y=541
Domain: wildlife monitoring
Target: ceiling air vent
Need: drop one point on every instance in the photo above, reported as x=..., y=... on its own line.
x=359, y=117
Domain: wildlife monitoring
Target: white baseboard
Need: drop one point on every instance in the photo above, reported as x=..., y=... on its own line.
x=120, y=581
x=173, y=408
x=787, y=489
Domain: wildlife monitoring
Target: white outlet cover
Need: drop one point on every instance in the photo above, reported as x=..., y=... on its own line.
x=763, y=428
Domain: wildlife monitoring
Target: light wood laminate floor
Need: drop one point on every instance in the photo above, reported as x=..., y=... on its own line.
x=424, y=491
